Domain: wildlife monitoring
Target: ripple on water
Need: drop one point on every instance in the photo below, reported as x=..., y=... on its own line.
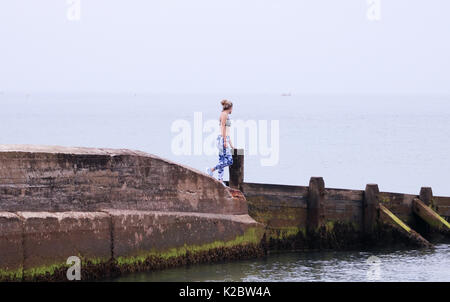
x=389, y=265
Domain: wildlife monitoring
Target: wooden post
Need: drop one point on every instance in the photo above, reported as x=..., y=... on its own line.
x=431, y=218
x=412, y=236
x=370, y=204
x=237, y=169
x=316, y=197
x=426, y=195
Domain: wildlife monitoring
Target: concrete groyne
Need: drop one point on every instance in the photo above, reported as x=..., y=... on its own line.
x=117, y=210
x=47, y=178
x=125, y=211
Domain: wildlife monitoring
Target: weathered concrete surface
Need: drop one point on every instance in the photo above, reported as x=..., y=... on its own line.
x=141, y=237
x=156, y=208
x=238, y=196
x=11, y=251
x=50, y=238
x=144, y=212
x=52, y=178
x=35, y=246
x=433, y=220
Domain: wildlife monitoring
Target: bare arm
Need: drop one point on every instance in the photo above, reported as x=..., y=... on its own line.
x=223, y=130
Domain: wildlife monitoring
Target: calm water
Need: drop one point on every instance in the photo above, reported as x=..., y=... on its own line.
x=400, y=265
x=399, y=142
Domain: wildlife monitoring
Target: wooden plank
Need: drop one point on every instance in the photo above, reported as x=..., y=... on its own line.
x=342, y=194
x=443, y=211
x=433, y=219
x=398, y=203
x=441, y=201
x=390, y=218
x=274, y=189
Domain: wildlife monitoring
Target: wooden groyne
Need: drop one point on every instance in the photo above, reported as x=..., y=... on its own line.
x=125, y=211
x=310, y=217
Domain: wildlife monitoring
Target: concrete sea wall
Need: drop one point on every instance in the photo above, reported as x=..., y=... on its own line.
x=116, y=210
x=123, y=211
x=42, y=178
x=36, y=245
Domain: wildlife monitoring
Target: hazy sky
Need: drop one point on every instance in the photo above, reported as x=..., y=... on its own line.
x=298, y=46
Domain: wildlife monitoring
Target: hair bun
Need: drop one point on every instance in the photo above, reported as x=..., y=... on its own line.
x=226, y=104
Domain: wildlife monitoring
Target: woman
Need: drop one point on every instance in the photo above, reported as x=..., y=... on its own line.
x=224, y=145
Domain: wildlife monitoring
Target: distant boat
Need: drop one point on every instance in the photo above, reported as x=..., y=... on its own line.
x=286, y=94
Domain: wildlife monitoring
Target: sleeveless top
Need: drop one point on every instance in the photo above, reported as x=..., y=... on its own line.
x=227, y=123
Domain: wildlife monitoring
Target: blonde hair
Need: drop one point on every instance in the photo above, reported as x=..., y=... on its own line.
x=226, y=104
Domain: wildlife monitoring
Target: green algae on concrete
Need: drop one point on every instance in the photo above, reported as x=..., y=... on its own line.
x=252, y=236
x=44, y=270
x=11, y=275
x=57, y=271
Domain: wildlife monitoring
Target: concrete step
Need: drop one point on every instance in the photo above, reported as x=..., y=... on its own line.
x=37, y=245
